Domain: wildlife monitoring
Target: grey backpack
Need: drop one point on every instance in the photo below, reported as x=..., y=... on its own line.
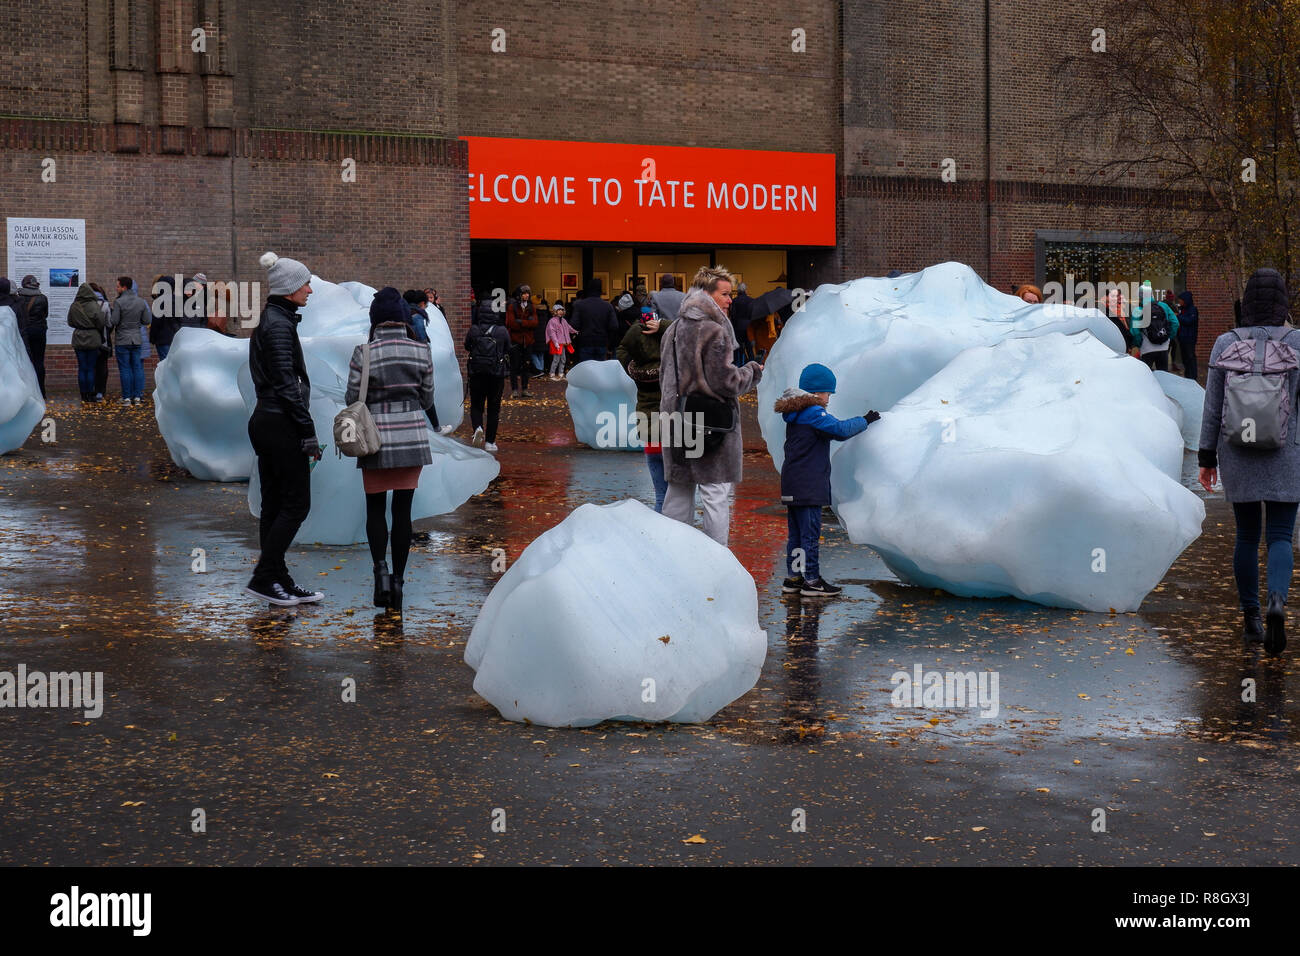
x=1256, y=399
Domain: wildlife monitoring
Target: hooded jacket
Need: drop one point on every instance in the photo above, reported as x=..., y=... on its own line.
x=1189, y=317
x=809, y=431
x=86, y=318
x=696, y=356
x=277, y=367
x=33, y=310
x=1249, y=474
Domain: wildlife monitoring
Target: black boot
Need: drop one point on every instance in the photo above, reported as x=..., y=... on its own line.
x=1253, y=631
x=1275, y=619
x=396, y=603
x=383, y=585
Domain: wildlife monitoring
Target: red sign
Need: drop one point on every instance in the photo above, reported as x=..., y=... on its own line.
x=621, y=192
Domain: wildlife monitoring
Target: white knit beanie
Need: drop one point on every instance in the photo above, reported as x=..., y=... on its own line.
x=284, y=275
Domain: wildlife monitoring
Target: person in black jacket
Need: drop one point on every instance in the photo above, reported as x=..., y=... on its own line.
x=281, y=429
x=33, y=324
x=596, y=322
x=1188, y=323
x=487, y=343
x=741, y=306
x=166, y=322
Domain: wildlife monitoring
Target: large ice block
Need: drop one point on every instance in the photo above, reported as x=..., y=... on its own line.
x=618, y=613
x=197, y=398
x=21, y=405
x=602, y=404
x=884, y=337
x=1045, y=468
x=1190, y=399
x=200, y=412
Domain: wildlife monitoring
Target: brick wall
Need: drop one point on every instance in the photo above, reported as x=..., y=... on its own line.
x=402, y=222
x=202, y=161
x=674, y=72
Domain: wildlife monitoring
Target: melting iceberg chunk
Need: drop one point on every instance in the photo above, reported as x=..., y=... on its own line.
x=602, y=404
x=200, y=412
x=1045, y=468
x=1190, y=398
x=884, y=337
x=21, y=405
x=678, y=644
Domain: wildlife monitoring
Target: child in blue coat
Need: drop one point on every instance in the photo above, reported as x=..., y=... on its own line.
x=806, y=475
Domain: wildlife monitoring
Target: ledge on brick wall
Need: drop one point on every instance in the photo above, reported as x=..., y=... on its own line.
x=60, y=136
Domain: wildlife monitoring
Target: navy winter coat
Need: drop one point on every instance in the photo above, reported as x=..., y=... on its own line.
x=809, y=431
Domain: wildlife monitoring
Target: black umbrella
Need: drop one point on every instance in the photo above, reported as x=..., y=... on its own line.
x=774, y=301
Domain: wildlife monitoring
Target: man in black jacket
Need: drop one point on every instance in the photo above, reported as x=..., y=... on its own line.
x=596, y=322
x=281, y=429
x=33, y=313
x=741, y=307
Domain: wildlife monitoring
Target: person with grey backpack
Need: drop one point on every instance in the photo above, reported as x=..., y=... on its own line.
x=1251, y=436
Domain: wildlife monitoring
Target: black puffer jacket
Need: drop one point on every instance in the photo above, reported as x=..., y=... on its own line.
x=276, y=364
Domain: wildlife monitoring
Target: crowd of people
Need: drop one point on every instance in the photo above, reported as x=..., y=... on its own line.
x=687, y=353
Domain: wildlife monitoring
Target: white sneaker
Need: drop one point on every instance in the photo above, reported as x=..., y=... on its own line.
x=446, y=429
x=126, y=401
x=477, y=440
x=491, y=447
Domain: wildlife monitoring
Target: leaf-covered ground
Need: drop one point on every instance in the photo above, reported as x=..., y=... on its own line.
x=212, y=702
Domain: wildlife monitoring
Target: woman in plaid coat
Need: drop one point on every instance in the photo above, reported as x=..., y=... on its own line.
x=399, y=391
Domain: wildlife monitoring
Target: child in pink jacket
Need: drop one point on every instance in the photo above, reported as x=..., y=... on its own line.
x=559, y=338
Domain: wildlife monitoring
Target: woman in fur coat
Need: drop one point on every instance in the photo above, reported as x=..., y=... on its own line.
x=696, y=357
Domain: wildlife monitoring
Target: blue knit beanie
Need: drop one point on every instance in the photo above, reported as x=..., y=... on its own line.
x=817, y=378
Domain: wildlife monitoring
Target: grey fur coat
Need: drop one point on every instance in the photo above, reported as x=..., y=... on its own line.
x=702, y=341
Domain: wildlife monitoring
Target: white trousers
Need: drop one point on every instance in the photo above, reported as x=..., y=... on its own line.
x=679, y=503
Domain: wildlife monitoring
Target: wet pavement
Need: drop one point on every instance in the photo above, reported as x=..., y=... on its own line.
x=213, y=702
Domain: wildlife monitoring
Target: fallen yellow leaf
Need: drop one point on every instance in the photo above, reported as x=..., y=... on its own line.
x=695, y=839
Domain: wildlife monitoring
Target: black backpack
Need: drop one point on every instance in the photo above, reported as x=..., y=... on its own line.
x=1157, y=332
x=486, y=356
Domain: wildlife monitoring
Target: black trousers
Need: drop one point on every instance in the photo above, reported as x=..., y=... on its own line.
x=282, y=470
x=35, y=343
x=1187, y=349
x=485, y=390
x=1158, y=361
x=521, y=365
x=101, y=373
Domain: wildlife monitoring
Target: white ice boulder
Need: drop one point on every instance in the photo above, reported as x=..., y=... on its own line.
x=618, y=613
x=21, y=405
x=197, y=397
x=602, y=404
x=1045, y=468
x=884, y=337
x=338, y=503
x=448, y=386
x=197, y=404
x=1190, y=398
